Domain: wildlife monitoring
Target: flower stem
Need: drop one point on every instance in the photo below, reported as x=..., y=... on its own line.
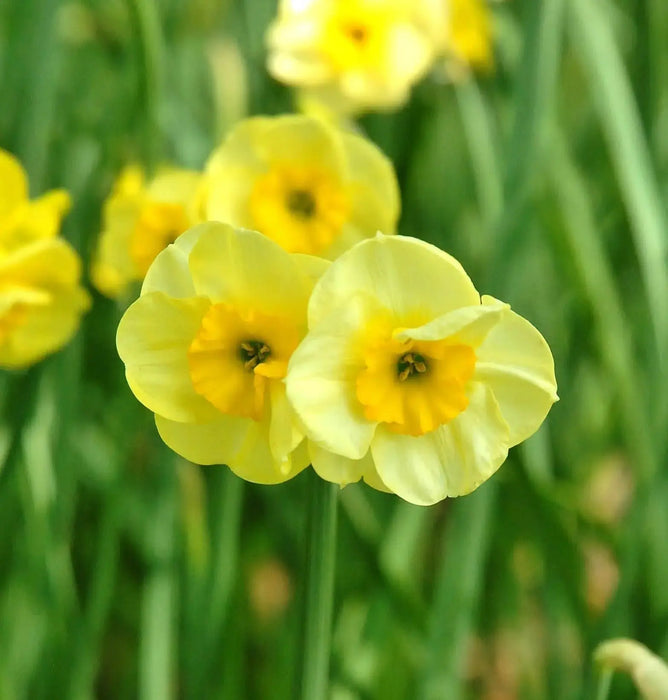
x=319, y=598
x=604, y=683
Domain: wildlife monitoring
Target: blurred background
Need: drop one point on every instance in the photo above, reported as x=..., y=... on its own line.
x=126, y=572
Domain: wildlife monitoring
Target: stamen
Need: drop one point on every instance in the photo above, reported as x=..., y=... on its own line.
x=301, y=203
x=253, y=353
x=357, y=33
x=411, y=364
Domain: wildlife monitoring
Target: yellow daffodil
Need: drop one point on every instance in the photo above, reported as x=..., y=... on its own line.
x=308, y=186
x=207, y=344
x=408, y=379
x=357, y=54
x=461, y=31
x=141, y=219
x=41, y=300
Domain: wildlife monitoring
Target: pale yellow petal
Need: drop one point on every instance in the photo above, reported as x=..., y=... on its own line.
x=343, y=471
x=50, y=263
x=14, y=188
x=240, y=443
x=412, y=279
x=311, y=266
x=255, y=462
x=372, y=185
x=169, y=272
x=177, y=186
x=453, y=460
x=321, y=383
x=468, y=325
x=46, y=328
x=516, y=362
x=248, y=270
x=216, y=442
x=153, y=340
x=284, y=433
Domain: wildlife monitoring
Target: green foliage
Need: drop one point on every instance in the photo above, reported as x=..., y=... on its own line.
x=125, y=572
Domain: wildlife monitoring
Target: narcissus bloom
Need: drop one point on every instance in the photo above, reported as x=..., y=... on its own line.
x=207, y=344
x=310, y=187
x=41, y=300
x=461, y=31
x=357, y=54
x=141, y=219
x=407, y=376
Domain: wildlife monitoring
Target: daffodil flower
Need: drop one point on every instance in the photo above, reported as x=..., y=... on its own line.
x=41, y=299
x=308, y=186
x=408, y=379
x=141, y=219
x=207, y=345
x=461, y=31
x=355, y=54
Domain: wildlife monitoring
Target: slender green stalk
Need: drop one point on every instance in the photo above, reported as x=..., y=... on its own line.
x=480, y=138
x=319, y=599
x=604, y=684
x=156, y=651
x=620, y=119
x=457, y=594
x=596, y=276
x=149, y=35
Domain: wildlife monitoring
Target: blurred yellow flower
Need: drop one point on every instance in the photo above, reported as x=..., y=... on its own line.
x=461, y=31
x=355, y=54
x=41, y=300
x=207, y=344
x=140, y=220
x=408, y=379
x=308, y=186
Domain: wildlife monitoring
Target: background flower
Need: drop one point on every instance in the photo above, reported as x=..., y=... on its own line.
x=140, y=219
x=357, y=54
x=41, y=300
x=310, y=187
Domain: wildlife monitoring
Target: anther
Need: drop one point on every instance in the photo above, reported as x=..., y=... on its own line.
x=409, y=365
x=253, y=353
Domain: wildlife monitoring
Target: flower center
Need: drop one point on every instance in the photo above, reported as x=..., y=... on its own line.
x=358, y=33
x=411, y=365
x=414, y=386
x=234, y=356
x=253, y=353
x=301, y=203
x=301, y=207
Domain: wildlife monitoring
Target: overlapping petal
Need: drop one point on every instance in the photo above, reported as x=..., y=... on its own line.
x=321, y=382
x=153, y=340
x=450, y=461
x=413, y=280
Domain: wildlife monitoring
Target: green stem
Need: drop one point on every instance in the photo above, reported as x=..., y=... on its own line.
x=320, y=565
x=629, y=151
x=149, y=35
x=604, y=684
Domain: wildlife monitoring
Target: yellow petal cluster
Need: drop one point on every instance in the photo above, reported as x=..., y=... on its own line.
x=355, y=54
x=140, y=219
x=310, y=187
x=207, y=344
x=409, y=379
x=461, y=31
x=41, y=300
